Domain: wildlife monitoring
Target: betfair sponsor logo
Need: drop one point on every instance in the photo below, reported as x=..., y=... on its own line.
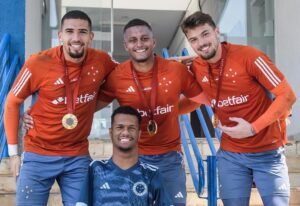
x=158, y=110
x=83, y=98
x=231, y=101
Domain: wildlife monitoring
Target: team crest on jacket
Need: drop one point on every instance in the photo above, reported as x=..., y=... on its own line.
x=140, y=188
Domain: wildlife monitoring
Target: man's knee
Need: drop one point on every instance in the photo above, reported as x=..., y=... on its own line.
x=275, y=200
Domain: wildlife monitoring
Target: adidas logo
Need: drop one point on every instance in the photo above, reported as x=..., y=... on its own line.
x=179, y=195
x=205, y=79
x=130, y=89
x=105, y=186
x=283, y=187
x=58, y=100
x=58, y=81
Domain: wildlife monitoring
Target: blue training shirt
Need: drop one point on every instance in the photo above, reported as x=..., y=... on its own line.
x=109, y=185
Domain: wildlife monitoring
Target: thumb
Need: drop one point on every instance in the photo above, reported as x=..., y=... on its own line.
x=235, y=119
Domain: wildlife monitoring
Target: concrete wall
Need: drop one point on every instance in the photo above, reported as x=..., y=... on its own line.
x=287, y=51
x=33, y=37
x=212, y=7
x=12, y=17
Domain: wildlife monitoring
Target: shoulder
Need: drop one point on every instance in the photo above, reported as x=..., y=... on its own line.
x=97, y=55
x=122, y=69
x=149, y=169
x=99, y=163
x=243, y=51
x=42, y=61
x=42, y=57
x=172, y=65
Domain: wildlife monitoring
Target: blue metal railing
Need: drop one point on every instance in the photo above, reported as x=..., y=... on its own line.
x=9, y=68
x=199, y=180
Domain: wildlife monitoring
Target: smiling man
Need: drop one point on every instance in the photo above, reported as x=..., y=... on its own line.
x=153, y=86
x=67, y=79
x=123, y=179
x=235, y=79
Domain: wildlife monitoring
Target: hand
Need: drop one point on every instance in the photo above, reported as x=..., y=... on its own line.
x=242, y=130
x=15, y=162
x=287, y=121
x=28, y=121
x=186, y=60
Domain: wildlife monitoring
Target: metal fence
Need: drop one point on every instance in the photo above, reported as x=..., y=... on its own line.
x=9, y=68
x=200, y=180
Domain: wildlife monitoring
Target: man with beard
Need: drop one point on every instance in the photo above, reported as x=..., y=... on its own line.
x=67, y=79
x=153, y=86
x=235, y=79
x=123, y=179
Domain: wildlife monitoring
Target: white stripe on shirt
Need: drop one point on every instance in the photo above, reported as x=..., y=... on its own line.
x=267, y=71
x=22, y=81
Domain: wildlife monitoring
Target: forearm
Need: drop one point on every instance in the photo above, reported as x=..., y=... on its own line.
x=11, y=122
x=187, y=106
x=285, y=98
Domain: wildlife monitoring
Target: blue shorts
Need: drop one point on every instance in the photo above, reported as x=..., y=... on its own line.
x=38, y=173
x=237, y=171
x=171, y=167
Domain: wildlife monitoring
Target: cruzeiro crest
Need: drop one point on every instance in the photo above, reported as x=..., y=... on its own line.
x=140, y=188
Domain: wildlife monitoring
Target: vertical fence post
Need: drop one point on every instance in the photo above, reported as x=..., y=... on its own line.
x=212, y=180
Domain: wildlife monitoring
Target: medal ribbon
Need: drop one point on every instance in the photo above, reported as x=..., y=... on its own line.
x=221, y=72
x=153, y=89
x=71, y=93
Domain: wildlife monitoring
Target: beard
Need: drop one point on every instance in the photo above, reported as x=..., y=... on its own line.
x=76, y=55
x=213, y=53
x=209, y=55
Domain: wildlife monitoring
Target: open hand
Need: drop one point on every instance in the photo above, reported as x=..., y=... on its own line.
x=243, y=128
x=15, y=162
x=186, y=60
x=28, y=121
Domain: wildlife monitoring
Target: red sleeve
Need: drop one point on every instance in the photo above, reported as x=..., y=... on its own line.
x=263, y=69
x=110, y=64
x=284, y=99
x=107, y=90
x=25, y=84
x=269, y=76
x=187, y=106
x=11, y=118
x=190, y=86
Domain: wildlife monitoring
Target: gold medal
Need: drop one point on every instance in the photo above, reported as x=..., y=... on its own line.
x=69, y=121
x=215, y=120
x=152, y=127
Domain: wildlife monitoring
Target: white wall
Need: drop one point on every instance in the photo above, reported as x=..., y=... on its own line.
x=212, y=7
x=287, y=51
x=179, y=42
x=33, y=27
x=33, y=32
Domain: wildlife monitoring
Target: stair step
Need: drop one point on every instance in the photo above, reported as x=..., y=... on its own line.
x=102, y=149
x=192, y=199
